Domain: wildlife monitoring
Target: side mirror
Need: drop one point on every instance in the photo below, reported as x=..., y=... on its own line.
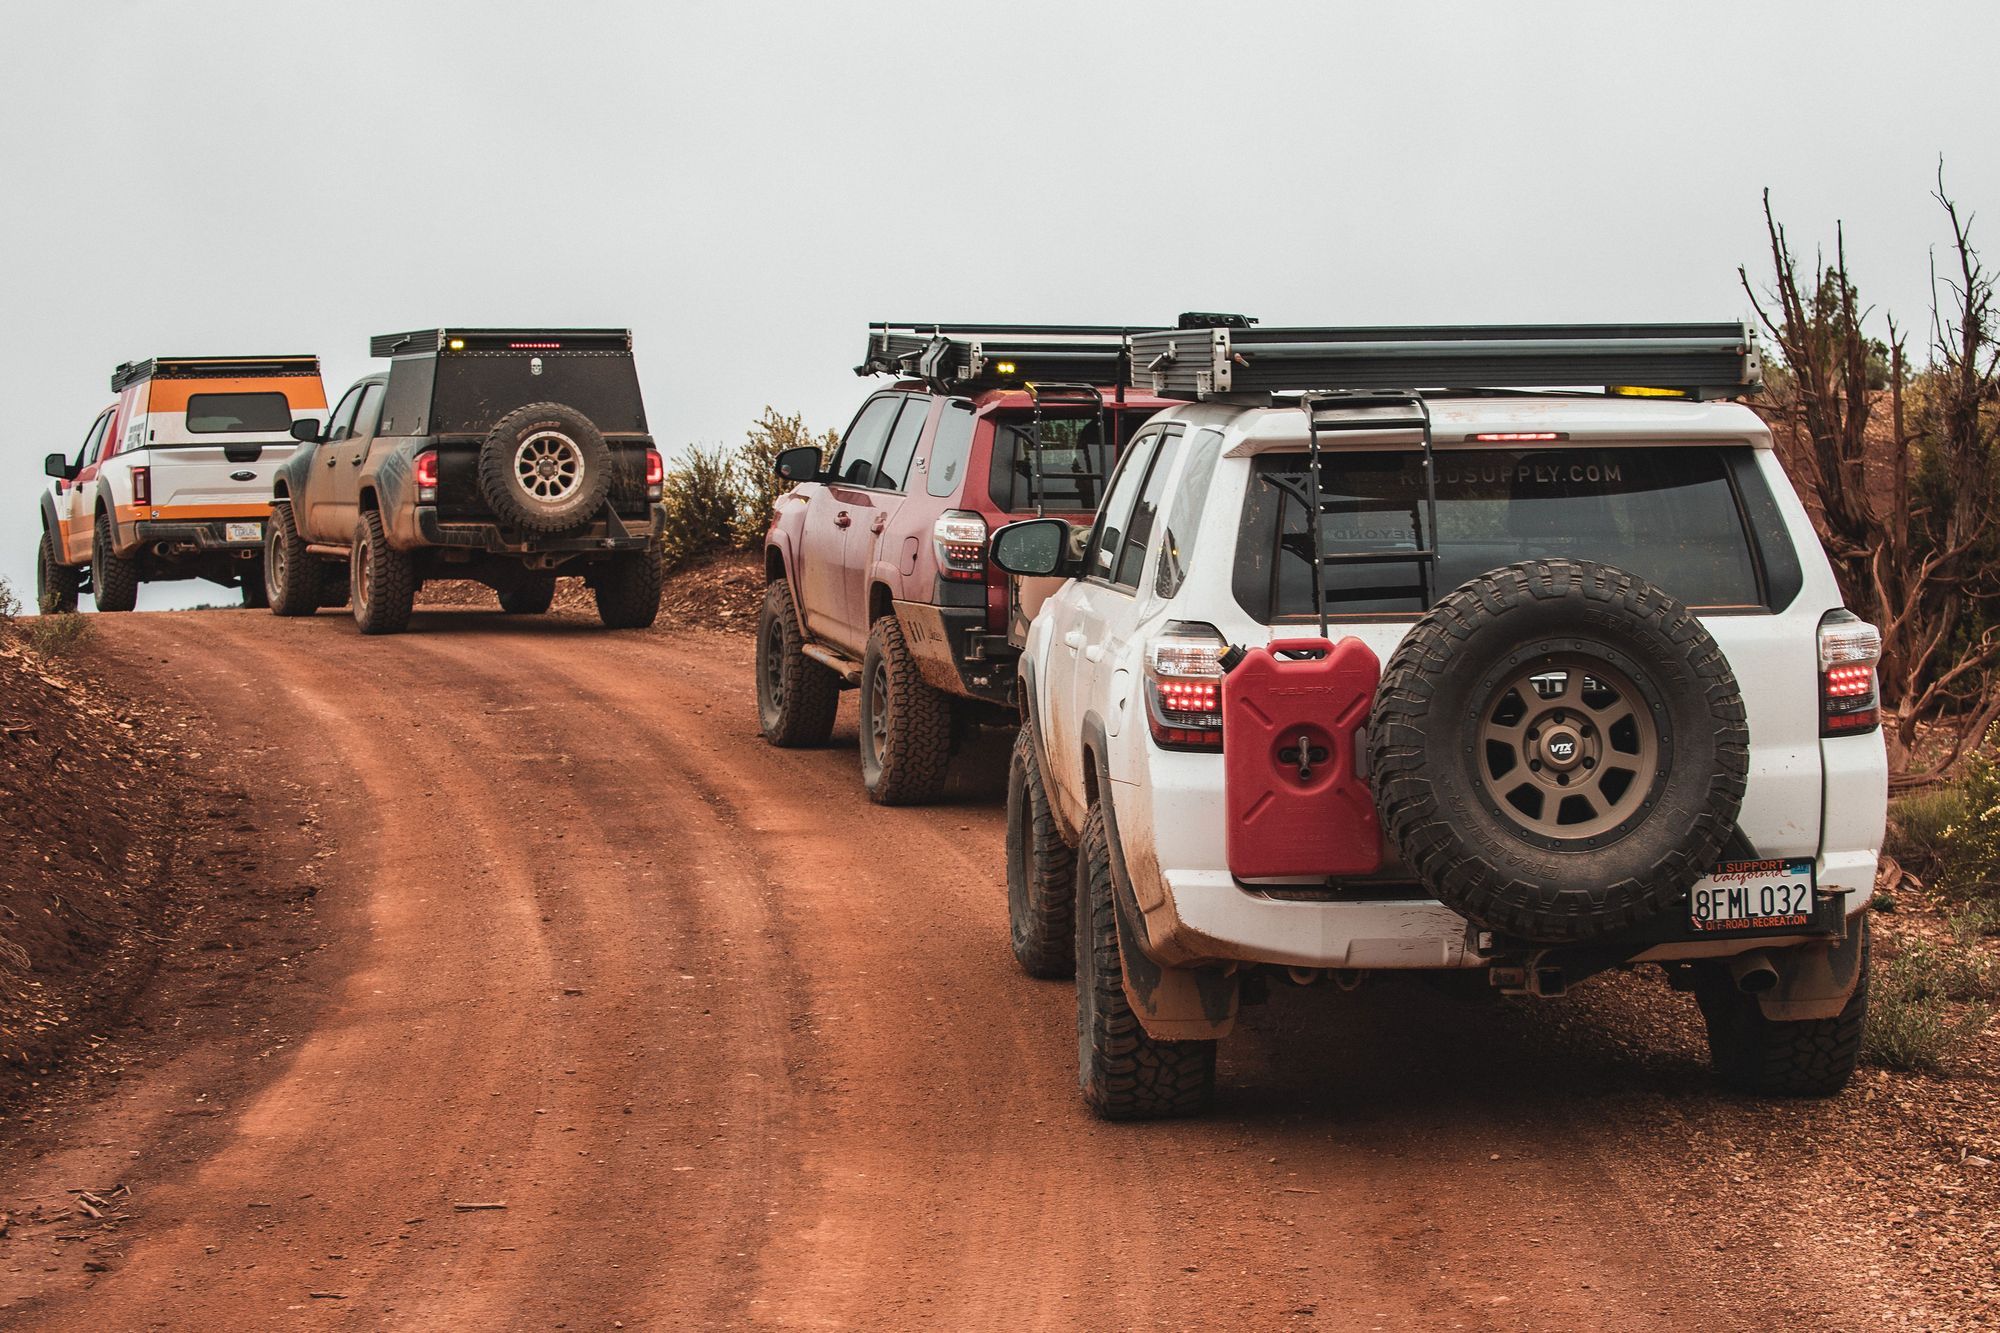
x=800, y=464
x=1035, y=548
x=306, y=430
x=57, y=466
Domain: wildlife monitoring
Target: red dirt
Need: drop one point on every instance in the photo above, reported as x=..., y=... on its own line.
x=736, y=1048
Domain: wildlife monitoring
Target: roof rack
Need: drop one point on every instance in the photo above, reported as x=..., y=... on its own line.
x=430, y=342
x=952, y=357
x=1705, y=361
x=129, y=373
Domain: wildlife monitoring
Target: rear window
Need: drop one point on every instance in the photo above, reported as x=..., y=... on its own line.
x=1673, y=516
x=233, y=413
x=1074, y=459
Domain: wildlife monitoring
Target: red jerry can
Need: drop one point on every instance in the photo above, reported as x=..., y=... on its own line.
x=1289, y=724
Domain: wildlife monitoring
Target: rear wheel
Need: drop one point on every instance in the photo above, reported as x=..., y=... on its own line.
x=796, y=696
x=628, y=591
x=114, y=580
x=905, y=723
x=532, y=596
x=55, y=583
x=1811, y=1057
x=293, y=579
x=1041, y=872
x=382, y=581
x=1124, y=1073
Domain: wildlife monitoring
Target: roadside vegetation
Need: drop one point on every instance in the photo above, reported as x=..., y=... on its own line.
x=718, y=498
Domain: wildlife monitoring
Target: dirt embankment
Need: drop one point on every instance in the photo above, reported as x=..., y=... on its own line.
x=718, y=592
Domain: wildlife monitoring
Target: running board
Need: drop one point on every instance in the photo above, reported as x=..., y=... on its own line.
x=321, y=548
x=849, y=672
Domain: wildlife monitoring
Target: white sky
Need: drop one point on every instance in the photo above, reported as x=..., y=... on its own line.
x=746, y=185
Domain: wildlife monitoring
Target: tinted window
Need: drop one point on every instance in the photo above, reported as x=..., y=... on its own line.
x=230, y=413
x=1177, y=543
x=342, y=424
x=951, y=443
x=1074, y=458
x=93, y=443
x=1139, y=528
x=902, y=445
x=861, y=447
x=370, y=414
x=1106, y=538
x=1669, y=515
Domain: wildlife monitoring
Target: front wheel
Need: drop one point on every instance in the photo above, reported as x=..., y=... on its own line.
x=1041, y=871
x=56, y=584
x=382, y=581
x=1124, y=1073
x=113, y=579
x=796, y=696
x=292, y=577
x=1808, y=1057
x=628, y=592
x=905, y=722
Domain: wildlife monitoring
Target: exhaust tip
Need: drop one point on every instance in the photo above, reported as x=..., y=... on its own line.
x=1753, y=973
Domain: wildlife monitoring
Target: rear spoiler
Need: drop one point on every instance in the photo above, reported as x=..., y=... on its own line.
x=129, y=373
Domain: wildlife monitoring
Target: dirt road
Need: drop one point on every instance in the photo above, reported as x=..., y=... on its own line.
x=735, y=1048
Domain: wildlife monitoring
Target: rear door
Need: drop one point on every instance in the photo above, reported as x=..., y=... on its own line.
x=350, y=453
x=873, y=507
x=825, y=544
x=322, y=488
x=213, y=445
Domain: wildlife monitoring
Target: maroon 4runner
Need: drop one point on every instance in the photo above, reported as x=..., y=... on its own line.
x=877, y=559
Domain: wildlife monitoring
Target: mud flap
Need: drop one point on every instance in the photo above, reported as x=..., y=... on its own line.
x=1814, y=981
x=1172, y=1003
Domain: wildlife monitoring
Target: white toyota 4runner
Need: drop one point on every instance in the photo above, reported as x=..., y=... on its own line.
x=1484, y=678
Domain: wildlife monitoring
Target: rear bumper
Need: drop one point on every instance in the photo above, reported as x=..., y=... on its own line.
x=610, y=535
x=197, y=536
x=956, y=652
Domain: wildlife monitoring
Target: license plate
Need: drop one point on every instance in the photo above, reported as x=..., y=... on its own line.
x=1753, y=895
x=243, y=532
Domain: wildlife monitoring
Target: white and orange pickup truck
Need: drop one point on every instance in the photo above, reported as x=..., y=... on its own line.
x=173, y=480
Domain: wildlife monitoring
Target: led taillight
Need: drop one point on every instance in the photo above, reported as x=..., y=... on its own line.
x=142, y=485
x=1849, y=648
x=1184, y=687
x=656, y=473
x=960, y=538
x=426, y=470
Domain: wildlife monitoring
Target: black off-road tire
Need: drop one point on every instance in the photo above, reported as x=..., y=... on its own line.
x=508, y=477
x=293, y=578
x=628, y=589
x=1812, y=1057
x=1423, y=735
x=532, y=596
x=905, y=722
x=256, y=596
x=56, y=584
x=1041, y=871
x=382, y=581
x=114, y=580
x=796, y=696
x=1123, y=1073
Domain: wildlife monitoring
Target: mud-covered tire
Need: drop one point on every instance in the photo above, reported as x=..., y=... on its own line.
x=1812, y=1057
x=293, y=577
x=1429, y=730
x=531, y=596
x=796, y=696
x=1124, y=1074
x=628, y=590
x=56, y=584
x=545, y=467
x=1041, y=872
x=905, y=722
x=114, y=580
x=382, y=581
x=255, y=596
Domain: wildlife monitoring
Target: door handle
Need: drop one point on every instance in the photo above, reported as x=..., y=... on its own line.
x=842, y=520
x=879, y=522
x=1095, y=652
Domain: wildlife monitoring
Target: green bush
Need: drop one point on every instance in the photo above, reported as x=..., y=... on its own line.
x=720, y=499
x=758, y=485
x=1974, y=921
x=1926, y=1005
x=1917, y=824
x=56, y=635
x=10, y=607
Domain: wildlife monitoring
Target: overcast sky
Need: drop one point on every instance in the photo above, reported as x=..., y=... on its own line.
x=746, y=185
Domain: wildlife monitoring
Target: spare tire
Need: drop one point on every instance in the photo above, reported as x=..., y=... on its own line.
x=545, y=467
x=1558, y=751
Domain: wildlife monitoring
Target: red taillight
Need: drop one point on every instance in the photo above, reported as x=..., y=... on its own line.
x=535, y=347
x=656, y=474
x=1519, y=436
x=426, y=470
x=960, y=537
x=1849, y=648
x=1184, y=687
x=142, y=485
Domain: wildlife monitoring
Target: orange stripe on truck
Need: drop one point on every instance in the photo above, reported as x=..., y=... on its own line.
x=173, y=513
x=301, y=391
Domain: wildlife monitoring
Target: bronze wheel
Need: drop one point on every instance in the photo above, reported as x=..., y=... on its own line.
x=1568, y=749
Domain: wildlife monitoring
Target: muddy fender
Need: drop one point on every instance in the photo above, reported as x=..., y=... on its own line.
x=1814, y=981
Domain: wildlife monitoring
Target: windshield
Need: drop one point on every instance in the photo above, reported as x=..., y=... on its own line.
x=1673, y=516
x=1074, y=459
x=238, y=413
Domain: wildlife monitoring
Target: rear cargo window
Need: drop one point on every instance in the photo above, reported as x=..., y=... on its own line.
x=233, y=413
x=950, y=445
x=1074, y=459
x=1673, y=516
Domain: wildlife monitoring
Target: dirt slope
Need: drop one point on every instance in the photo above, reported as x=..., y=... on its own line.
x=736, y=1049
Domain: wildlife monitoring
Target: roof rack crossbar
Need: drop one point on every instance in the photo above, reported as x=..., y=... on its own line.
x=952, y=357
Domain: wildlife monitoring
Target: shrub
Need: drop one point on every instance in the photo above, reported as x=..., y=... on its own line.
x=1917, y=1018
x=1968, y=848
x=1917, y=823
x=1974, y=921
x=758, y=485
x=703, y=502
x=56, y=635
x=10, y=608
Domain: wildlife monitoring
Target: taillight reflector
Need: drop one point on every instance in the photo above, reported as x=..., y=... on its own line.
x=1184, y=687
x=142, y=485
x=960, y=538
x=1849, y=648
